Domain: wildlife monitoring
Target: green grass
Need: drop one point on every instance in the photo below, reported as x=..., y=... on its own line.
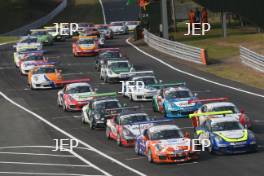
x=81, y=11
x=223, y=53
x=17, y=13
x=7, y=39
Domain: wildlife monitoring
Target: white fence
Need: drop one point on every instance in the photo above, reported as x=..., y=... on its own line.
x=176, y=49
x=40, y=22
x=252, y=59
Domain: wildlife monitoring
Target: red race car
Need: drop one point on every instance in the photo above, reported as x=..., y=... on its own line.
x=85, y=46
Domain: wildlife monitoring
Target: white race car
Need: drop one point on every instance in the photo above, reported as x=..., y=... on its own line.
x=28, y=42
x=119, y=27
x=141, y=93
x=224, y=106
x=28, y=64
x=115, y=70
x=22, y=55
x=132, y=25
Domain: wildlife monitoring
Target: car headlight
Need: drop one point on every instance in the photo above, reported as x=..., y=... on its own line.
x=35, y=78
x=97, y=116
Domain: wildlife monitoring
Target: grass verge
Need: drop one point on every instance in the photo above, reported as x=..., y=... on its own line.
x=8, y=39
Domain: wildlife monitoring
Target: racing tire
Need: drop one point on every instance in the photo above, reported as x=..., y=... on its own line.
x=107, y=133
x=118, y=140
x=31, y=87
x=150, y=159
x=64, y=107
x=91, y=125
x=58, y=102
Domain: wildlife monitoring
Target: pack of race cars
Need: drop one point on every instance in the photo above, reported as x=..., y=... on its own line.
x=217, y=119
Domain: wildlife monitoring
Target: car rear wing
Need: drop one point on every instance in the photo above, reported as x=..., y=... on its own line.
x=208, y=100
x=210, y=114
x=138, y=73
x=64, y=82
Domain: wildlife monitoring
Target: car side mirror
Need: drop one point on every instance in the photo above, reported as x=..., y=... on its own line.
x=187, y=135
x=242, y=111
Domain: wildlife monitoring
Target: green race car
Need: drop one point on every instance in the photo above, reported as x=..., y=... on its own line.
x=42, y=35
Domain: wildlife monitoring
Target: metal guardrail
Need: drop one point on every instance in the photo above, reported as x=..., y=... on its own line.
x=176, y=49
x=252, y=59
x=40, y=22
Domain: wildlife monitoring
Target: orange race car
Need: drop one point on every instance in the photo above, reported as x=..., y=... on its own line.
x=165, y=144
x=44, y=77
x=85, y=46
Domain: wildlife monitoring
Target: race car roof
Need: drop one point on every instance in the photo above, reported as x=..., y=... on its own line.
x=219, y=104
x=159, y=128
x=226, y=118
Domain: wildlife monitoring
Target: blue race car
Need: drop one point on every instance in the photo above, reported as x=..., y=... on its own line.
x=226, y=135
x=175, y=102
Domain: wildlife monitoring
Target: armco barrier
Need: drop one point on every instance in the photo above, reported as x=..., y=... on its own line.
x=40, y=22
x=176, y=49
x=252, y=59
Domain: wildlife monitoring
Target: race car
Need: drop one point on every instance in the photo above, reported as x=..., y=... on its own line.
x=221, y=104
x=45, y=77
x=115, y=70
x=132, y=25
x=101, y=108
x=174, y=101
x=22, y=55
x=74, y=96
x=91, y=34
x=87, y=46
x=124, y=128
x=55, y=33
x=107, y=54
x=105, y=31
x=118, y=27
x=42, y=35
x=29, y=63
x=137, y=92
x=165, y=144
x=27, y=43
x=225, y=133
x=83, y=26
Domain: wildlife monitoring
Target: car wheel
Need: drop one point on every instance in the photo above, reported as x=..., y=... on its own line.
x=107, y=132
x=91, y=125
x=58, y=102
x=118, y=140
x=31, y=87
x=131, y=97
x=137, y=149
x=150, y=159
x=105, y=79
x=83, y=120
x=64, y=107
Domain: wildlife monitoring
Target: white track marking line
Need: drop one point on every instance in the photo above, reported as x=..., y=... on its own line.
x=89, y=163
x=53, y=174
x=182, y=164
x=192, y=75
x=36, y=154
x=37, y=146
x=71, y=136
x=44, y=164
x=103, y=11
x=136, y=158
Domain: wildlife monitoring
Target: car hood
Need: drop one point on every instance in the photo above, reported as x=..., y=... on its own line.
x=232, y=134
x=183, y=102
x=171, y=145
x=137, y=129
x=82, y=96
x=120, y=70
x=46, y=77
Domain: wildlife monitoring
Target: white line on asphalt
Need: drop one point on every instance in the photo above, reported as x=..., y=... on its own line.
x=71, y=136
x=259, y=121
x=53, y=174
x=36, y=154
x=192, y=75
x=37, y=146
x=44, y=164
x=103, y=10
x=182, y=164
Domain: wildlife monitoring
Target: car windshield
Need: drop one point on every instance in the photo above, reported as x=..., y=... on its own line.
x=86, y=42
x=29, y=40
x=111, y=55
x=43, y=70
x=226, y=126
x=79, y=89
x=148, y=81
x=134, y=119
x=117, y=24
x=166, y=134
x=119, y=65
x=34, y=58
x=225, y=108
x=178, y=94
x=108, y=105
x=35, y=33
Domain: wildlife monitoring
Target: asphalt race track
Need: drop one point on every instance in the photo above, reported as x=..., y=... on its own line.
x=20, y=128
